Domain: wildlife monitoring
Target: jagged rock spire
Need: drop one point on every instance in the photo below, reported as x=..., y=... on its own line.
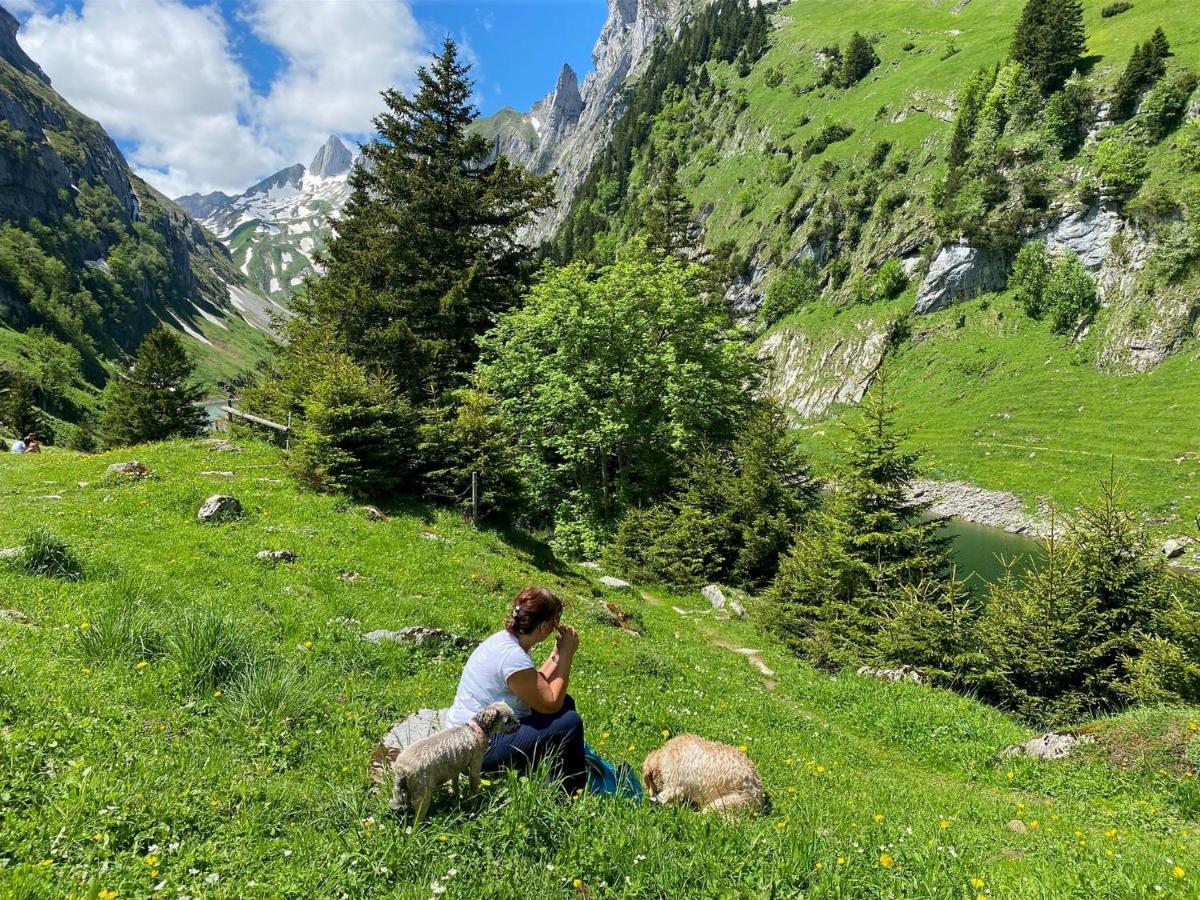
x=333, y=158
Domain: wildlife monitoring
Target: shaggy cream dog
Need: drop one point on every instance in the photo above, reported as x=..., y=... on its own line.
x=705, y=774
x=445, y=756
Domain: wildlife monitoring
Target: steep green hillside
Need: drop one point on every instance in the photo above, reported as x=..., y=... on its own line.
x=187, y=718
x=780, y=163
x=92, y=258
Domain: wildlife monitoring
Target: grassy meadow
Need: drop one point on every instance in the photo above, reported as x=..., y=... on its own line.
x=187, y=720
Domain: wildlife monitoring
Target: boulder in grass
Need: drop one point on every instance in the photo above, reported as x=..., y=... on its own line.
x=276, y=556
x=222, y=446
x=714, y=595
x=1049, y=746
x=615, y=584
x=15, y=616
x=219, y=508
x=418, y=726
x=8, y=553
x=418, y=635
x=132, y=470
x=591, y=566
x=894, y=676
x=1174, y=547
x=374, y=513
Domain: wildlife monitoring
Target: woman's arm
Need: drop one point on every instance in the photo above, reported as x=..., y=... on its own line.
x=544, y=689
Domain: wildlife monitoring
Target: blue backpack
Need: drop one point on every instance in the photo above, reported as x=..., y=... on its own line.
x=607, y=781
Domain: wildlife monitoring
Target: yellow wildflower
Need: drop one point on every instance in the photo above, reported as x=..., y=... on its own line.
x=977, y=883
x=1033, y=823
x=1011, y=775
x=443, y=838
x=886, y=861
x=141, y=665
x=841, y=860
x=577, y=884
x=84, y=626
x=944, y=824
x=631, y=748
x=1178, y=871
x=878, y=817
x=216, y=693
x=743, y=747
x=666, y=733
x=107, y=895
x=151, y=860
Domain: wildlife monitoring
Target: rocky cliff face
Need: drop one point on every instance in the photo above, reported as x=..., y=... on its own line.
x=274, y=229
x=570, y=126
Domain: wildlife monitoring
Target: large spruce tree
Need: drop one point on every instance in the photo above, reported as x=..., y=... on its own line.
x=156, y=399
x=427, y=253
x=1049, y=41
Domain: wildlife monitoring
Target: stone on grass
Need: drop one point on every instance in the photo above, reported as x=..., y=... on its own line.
x=433, y=536
x=615, y=584
x=132, y=469
x=901, y=673
x=419, y=635
x=420, y=725
x=713, y=594
x=593, y=566
x=11, y=552
x=1049, y=746
x=284, y=556
x=1174, y=547
x=224, y=447
x=1016, y=826
x=217, y=474
x=15, y=616
x=220, y=508
x=374, y=513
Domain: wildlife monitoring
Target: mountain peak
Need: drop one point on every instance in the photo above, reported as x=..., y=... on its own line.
x=10, y=50
x=333, y=158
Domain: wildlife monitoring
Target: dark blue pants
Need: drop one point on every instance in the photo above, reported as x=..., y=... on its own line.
x=557, y=737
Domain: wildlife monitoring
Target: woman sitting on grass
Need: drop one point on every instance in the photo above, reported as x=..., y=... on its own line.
x=502, y=669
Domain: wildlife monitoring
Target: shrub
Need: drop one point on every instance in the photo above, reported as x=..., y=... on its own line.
x=1030, y=272
x=1070, y=294
x=209, y=651
x=794, y=287
x=857, y=60
x=49, y=556
x=931, y=626
x=357, y=434
x=1165, y=105
x=1066, y=118
x=1115, y=9
x=1188, y=145
x=1120, y=166
x=890, y=281
x=819, y=142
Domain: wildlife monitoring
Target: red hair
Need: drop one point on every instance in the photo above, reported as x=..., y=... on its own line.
x=533, y=607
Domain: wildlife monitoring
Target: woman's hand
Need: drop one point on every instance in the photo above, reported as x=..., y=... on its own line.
x=568, y=641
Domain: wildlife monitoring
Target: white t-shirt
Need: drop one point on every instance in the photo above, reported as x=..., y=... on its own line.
x=484, y=679
x=18, y=447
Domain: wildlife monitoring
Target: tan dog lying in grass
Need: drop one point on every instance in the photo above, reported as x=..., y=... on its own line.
x=710, y=776
x=445, y=756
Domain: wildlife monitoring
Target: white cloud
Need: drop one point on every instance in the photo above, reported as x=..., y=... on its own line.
x=163, y=78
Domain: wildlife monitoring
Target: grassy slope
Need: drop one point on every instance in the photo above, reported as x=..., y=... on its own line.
x=117, y=777
x=967, y=392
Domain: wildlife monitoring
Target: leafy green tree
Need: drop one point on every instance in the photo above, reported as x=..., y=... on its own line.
x=156, y=398
x=1067, y=116
x=1165, y=105
x=18, y=398
x=858, y=59
x=357, y=433
x=609, y=378
x=1120, y=166
x=1070, y=294
x=427, y=252
x=1049, y=41
x=1030, y=273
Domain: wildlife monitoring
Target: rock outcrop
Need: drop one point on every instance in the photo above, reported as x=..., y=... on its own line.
x=419, y=635
x=219, y=508
x=1049, y=746
x=615, y=584
x=811, y=375
x=971, y=503
x=333, y=159
x=959, y=272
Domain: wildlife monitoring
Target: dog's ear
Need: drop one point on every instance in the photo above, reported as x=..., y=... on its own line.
x=486, y=718
x=650, y=774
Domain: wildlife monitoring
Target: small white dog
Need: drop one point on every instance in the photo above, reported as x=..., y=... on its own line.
x=445, y=756
x=711, y=776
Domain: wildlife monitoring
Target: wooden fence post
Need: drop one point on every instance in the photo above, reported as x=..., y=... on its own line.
x=475, y=497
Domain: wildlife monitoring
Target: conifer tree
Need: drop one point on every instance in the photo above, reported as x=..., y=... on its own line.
x=18, y=396
x=426, y=254
x=1162, y=48
x=669, y=216
x=857, y=60
x=1049, y=41
x=156, y=399
x=1146, y=65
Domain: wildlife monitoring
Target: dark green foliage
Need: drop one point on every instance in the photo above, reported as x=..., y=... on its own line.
x=155, y=400
x=357, y=433
x=726, y=31
x=467, y=435
x=855, y=557
x=1165, y=105
x=1188, y=145
x=668, y=219
x=794, y=287
x=1115, y=9
x=1146, y=65
x=1064, y=642
x=18, y=396
x=82, y=438
x=856, y=61
x=1049, y=41
x=730, y=514
x=425, y=256
x=931, y=626
x=49, y=556
x=889, y=281
x=1068, y=114
x=831, y=133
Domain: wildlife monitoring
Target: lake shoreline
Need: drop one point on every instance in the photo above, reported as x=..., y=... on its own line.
x=980, y=506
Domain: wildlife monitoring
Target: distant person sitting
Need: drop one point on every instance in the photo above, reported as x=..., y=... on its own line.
x=18, y=446
x=31, y=444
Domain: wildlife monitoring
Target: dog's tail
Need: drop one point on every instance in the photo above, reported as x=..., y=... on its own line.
x=401, y=799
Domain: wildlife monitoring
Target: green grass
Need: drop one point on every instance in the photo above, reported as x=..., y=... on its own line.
x=186, y=714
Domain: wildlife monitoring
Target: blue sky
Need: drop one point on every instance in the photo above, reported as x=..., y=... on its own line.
x=217, y=94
